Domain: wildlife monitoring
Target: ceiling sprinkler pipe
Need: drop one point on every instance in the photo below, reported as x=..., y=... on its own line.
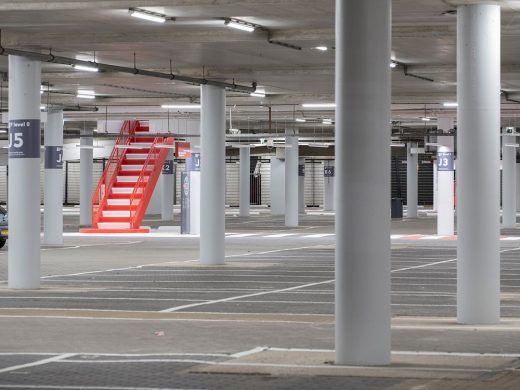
x=114, y=68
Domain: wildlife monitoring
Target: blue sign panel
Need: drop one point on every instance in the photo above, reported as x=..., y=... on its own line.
x=24, y=138
x=301, y=170
x=193, y=162
x=328, y=171
x=445, y=161
x=185, y=203
x=53, y=157
x=167, y=168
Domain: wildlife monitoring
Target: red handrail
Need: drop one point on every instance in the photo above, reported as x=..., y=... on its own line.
x=109, y=176
x=146, y=183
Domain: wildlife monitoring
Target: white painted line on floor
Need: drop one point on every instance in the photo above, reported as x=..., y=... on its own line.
x=37, y=363
x=280, y=235
x=123, y=361
x=249, y=352
x=87, y=387
x=177, y=308
x=241, y=235
x=319, y=235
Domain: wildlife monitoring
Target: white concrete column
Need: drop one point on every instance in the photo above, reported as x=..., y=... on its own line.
x=435, y=186
x=24, y=173
x=301, y=185
x=328, y=186
x=167, y=180
x=245, y=181
x=277, y=186
x=212, y=174
x=86, y=168
x=53, y=189
x=445, y=179
x=508, y=181
x=478, y=164
x=362, y=182
x=411, y=180
x=291, y=179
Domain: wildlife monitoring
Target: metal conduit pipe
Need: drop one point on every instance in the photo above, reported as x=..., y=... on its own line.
x=114, y=68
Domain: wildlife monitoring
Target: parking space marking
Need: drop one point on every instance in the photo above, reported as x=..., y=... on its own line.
x=38, y=362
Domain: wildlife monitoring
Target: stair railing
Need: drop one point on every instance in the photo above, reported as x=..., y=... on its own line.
x=145, y=184
x=109, y=176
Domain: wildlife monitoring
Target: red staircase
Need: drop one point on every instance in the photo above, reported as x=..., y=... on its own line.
x=128, y=181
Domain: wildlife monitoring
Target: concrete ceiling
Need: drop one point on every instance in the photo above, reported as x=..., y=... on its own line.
x=200, y=45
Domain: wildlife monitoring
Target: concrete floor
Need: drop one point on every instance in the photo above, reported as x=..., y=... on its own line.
x=139, y=311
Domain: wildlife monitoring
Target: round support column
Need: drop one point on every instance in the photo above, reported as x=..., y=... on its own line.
x=245, y=181
x=362, y=182
x=23, y=201
x=411, y=180
x=508, y=181
x=212, y=174
x=53, y=190
x=86, y=168
x=291, y=180
x=478, y=164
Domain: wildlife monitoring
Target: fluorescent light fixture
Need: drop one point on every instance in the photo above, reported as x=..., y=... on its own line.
x=321, y=48
x=86, y=94
x=397, y=145
x=301, y=120
x=42, y=88
x=239, y=25
x=450, y=104
x=319, y=105
x=181, y=106
x=258, y=93
x=42, y=108
x=147, y=15
x=512, y=145
x=327, y=121
x=432, y=144
x=425, y=119
x=393, y=64
x=86, y=68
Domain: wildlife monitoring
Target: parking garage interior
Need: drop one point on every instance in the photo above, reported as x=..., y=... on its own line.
x=352, y=223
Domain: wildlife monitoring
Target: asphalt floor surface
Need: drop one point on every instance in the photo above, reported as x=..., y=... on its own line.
x=126, y=312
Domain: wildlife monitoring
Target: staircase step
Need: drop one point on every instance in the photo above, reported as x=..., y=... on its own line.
x=121, y=207
x=123, y=195
x=114, y=219
x=133, y=167
x=114, y=225
x=137, y=145
x=143, y=139
x=118, y=202
x=134, y=173
x=127, y=179
x=124, y=190
x=136, y=156
x=139, y=161
x=116, y=213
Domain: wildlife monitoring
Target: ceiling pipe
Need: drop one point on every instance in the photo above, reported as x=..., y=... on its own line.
x=123, y=69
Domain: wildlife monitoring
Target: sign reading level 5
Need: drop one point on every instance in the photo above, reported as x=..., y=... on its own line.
x=24, y=138
x=445, y=161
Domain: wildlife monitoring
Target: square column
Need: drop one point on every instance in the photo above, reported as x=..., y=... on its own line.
x=23, y=200
x=245, y=181
x=508, y=181
x=362, y=182
x=291, y=179
x=53, y=190
x=411, y=180
x=478, y=164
